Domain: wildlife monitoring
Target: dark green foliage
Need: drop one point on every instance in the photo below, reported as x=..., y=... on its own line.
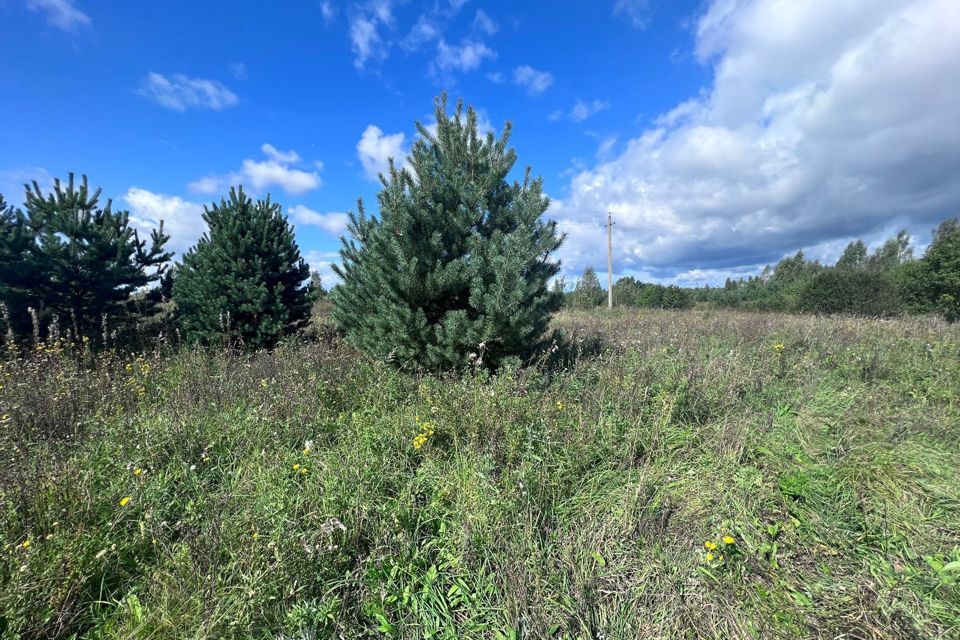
x=854, y=291
x=854, y=256
x=933, y=283
x=74, y=261
x=244, y=280
x=20, y=278
x=588, y=293
x=630, y=292
x=458, y=262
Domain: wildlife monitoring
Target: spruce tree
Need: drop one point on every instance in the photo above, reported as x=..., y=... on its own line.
x=456, y=268
x=244, y=281
x=85, y=260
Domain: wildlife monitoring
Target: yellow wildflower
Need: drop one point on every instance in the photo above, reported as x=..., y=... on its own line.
x=124, y=501
x=420, y=440
x=26, y=544
x=779, y=347
x=728, y=540
x=710, y=545
x=709, y=557
x=303, y=470
x=296, y=466
x=559, y=406
x=137, y=471
x=255, y=535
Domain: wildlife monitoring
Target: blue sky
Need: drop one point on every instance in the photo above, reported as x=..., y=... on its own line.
x=723, y=134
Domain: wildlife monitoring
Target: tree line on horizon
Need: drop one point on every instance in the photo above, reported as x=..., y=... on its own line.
x=888, y=282
x=456, y=270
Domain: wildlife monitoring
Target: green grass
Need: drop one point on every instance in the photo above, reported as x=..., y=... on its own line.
x=566, y=500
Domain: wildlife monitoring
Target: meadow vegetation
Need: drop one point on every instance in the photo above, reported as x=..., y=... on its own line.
x=658, y=474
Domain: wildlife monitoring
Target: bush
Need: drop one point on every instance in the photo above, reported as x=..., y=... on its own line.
x=853, y=291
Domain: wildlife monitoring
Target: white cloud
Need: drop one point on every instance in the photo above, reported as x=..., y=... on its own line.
x=535, y=82
x=423, y=31
x=823, y=121
x=181, y=93
x=483, y=22
x=581, y=110
x=365, y=23
x=466, y=56
x=496, y=77
x=270, y=172
x=322, y=262
x=375, y=149
x=238, y=70
x=61, y=14
x=328, y=11
x=334, y=222
x=366, y=41
x=261, y=174
x=183, y=220
x=282, y=157
x=637, y=11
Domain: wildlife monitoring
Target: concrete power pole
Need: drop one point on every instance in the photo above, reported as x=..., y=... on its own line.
x=609, y=260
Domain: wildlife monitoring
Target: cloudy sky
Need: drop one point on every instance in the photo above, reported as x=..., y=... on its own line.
x=722, y=134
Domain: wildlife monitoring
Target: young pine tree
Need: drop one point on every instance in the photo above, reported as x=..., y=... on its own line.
x=87, y=260
x=19, y=275
x=458, y=263
x=244, y=280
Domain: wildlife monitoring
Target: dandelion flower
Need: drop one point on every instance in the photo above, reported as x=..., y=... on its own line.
x=26, y=544
x=710, y=545
x=709, y=557
x=137, y=471
x=124, y=501
x=728, y=540
x=255, y=535
x=303, y=470
x=296, y=466
x=779, y=347
x=559, y=405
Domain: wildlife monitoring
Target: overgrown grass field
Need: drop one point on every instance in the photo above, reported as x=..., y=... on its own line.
x=664, y=475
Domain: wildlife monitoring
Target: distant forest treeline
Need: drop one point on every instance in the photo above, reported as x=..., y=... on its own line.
x=889, y=281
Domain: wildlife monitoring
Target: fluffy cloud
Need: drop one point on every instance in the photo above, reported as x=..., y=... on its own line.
x=824, y=121
x=535, y=82
x=178, y=92
x=581, y=110
x=181, y=219
x=483, y=22
x=334, y=223
x=61, y=14
x=466, y=56
x=376, y=148
x=261, y=174
x=365, y=24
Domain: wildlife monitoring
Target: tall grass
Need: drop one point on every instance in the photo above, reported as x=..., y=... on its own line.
x=312, y=493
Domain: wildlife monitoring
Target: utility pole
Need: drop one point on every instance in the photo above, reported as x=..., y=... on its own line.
x=609, y=260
